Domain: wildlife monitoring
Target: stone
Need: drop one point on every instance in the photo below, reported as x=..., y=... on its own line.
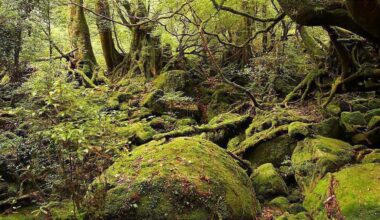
x=356, y=189
x=267, y=182
x=314, y=157
x=186, y=178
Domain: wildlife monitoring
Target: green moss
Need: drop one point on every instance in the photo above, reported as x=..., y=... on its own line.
x=314, y=157
x=333, y=109
x=357, y=193
x=298, y=216
x=137, y=133
x=170, y=81
x=267, y=182
x=370, y=114
x=280, y=202
x=221, y=101
x=298, y=130
x=269, y=146
x=374, y=122
x=352, y=120
x=187, y=178
x=373, y=157
x=329, y=128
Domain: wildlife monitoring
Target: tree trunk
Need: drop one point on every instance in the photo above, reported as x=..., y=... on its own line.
x=145, y=49
x=79, y=33
x=358, y=16
x=111, y=55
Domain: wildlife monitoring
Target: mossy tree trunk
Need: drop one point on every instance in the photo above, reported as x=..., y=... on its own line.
x=110, y=53
x=79, y=33
x=145, y=49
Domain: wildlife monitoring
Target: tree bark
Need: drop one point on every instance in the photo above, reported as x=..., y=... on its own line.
x=79, y=33
x=348, y=14
x=111, y=55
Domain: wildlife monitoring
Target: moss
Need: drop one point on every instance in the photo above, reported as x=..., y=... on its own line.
x=373, y=157
x=269, y=146
x=221, y=101
x=298, y=216
x=138, y=133
x=329, y=128
x=374, y=122
x=187, y=178
x=333, y=109
x=351, y=121
x=298, y=130
x=280, y=202
x=314, y=157
x=235, y=142
x=267, y=182
x=170, y=81
x=370, y=114
x=272, y=119
x=357, y=193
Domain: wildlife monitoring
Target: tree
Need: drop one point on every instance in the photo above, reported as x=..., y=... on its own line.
x=110, y=53
x=79, y=33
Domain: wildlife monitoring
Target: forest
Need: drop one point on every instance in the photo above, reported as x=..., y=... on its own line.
x=190, y=109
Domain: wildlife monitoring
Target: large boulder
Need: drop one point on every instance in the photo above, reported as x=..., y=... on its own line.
x=314, y=157
x=175, y=80
x=352, y=193
x=186, y=178
x=268, y=183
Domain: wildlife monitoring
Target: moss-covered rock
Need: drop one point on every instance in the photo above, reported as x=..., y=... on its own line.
x=374, y=122
x=280, y=202
x=298, y=216
x=314, y=157
x=137, y=133
x=269, y=146
x=351, y=121
x=175, y=80
x=298, y=130
x=267, y=182
x=187, y=178
x=370, y=114
x=356, y=191
x=372, y=157
x=329, y=128
x=221, y=101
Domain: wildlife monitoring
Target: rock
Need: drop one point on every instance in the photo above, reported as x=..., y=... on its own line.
x=373, y=157
x=314, y=157
x=267, y=182
x=151, y=100
x=298, y=130
x=174, y=80
x=221, y=101
x=333, y=109
x=280, y=202
x=137, y=133
x=272, y=150
x=222, y=136
x=370, y=114
x=351, y=121
x=187, y=178
x=329, y=128
x=299, y=216
x=356, y=190
x=374, y=122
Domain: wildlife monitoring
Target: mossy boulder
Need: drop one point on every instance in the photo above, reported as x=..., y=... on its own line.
x=267, y=182
x=372, y=157
x=221, y=101
x=370, y=114
x=174, y=80
x=137, y=133
x=298, y=130
x=356, y=191
x=270, y=146
x=186, y=178
x=280, y=202
x=314, y=157
x=298, y=216
x=329, y=128
x=374, y=122
x=352, y=121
